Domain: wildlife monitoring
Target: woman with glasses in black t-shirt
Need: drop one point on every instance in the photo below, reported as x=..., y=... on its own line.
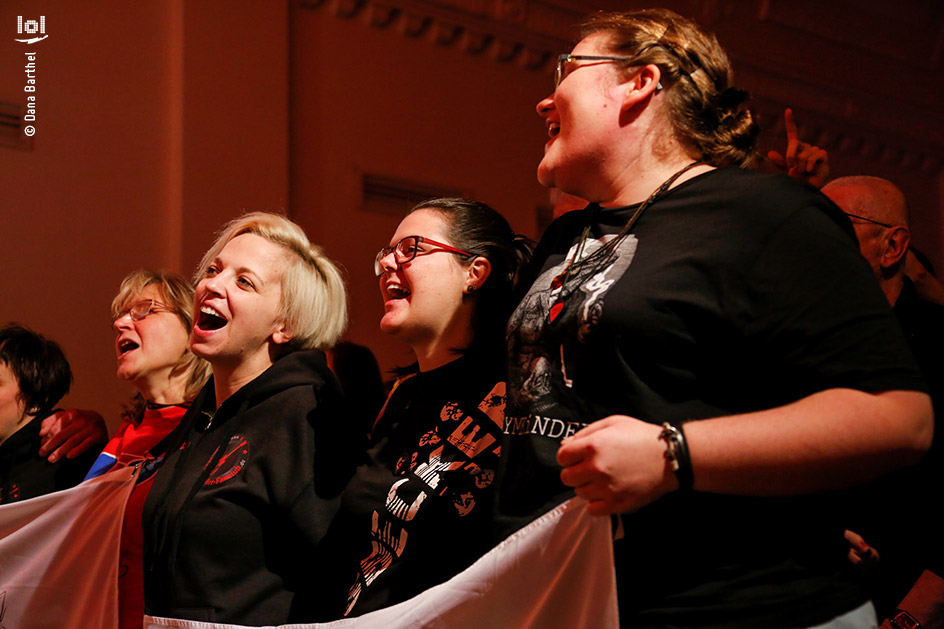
x=716, y=334
x=418, y=511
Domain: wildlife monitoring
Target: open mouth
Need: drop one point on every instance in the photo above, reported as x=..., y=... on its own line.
x=210, y=319
x=397, y=291
x=553, y=129
x=127, y=346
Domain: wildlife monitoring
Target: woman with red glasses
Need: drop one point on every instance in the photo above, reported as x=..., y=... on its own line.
x=418, y=511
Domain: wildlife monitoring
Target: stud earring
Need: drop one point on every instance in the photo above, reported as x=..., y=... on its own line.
x=470, y=289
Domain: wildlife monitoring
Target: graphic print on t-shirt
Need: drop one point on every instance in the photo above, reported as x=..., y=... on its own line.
x=452, y=464
x=542, y=348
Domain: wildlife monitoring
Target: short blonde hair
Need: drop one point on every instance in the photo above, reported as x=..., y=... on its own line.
x=177, y=294
x=314, y=298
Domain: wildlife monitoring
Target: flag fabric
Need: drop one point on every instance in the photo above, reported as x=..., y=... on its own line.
x=556, y=572
x=59, y=555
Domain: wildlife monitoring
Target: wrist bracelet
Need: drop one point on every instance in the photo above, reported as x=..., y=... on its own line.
x=676, y=453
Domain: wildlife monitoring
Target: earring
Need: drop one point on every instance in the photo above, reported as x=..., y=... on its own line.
x=470, y=288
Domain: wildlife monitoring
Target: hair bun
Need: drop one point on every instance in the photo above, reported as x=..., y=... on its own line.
x=732, y=98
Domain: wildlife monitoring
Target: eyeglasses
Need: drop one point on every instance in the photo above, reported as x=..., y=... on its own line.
x=143, y=308
x=564, y=59
x=407, y=248
x=862, y=218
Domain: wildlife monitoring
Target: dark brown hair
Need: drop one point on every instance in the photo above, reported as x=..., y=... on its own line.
x=475, y=227
x=41, y=370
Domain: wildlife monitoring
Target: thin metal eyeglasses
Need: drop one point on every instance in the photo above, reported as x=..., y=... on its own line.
x=143, y=308
x=870, y=220
x=407, y=248
x=564, y=59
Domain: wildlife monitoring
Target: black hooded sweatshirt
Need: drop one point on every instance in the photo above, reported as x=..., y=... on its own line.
x=233, y=522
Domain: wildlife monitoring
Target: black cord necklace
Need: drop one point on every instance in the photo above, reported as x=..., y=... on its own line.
x=601, y=256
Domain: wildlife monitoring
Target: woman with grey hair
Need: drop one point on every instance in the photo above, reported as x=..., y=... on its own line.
x=234, y=521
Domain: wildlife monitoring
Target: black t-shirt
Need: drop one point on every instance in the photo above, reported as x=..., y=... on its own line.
x=418, y=512
x=735, y=292
x=899, y=514
x=24, y=474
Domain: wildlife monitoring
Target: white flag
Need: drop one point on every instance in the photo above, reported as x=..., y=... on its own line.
x=556, y=572
x=59, y=556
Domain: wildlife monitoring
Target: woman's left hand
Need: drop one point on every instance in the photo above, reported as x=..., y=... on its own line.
x=616, y=464
x=70, y=433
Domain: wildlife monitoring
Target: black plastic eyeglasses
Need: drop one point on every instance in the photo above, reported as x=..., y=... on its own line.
x=407, y=248
x=143, y=308
x=564, y=59
x=870, y=220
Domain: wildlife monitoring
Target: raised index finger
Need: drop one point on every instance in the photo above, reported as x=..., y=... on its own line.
x=790, y=125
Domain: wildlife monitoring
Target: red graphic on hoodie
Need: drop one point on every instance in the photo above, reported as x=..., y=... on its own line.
x=232, y=462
